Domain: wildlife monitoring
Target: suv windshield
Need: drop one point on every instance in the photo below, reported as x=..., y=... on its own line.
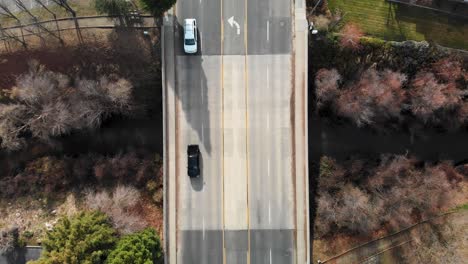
x=189, y=42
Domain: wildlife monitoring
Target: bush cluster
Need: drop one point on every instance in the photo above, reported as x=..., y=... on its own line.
x=89, y=238
x=435, y=96
x=47, y=104
x=361, y=196
x=51, y=175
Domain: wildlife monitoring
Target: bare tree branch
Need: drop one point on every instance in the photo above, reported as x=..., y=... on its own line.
x=22, y=7
x=52, y=13
x=6, y=12
x=64, y=4
x=8, y=35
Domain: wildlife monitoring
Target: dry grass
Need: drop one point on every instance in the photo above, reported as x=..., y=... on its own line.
x=33, y=215
x=400, y=22
x=117, y=205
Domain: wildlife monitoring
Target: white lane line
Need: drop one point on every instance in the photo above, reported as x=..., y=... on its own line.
x=268, y=30
x=269, y=212
x=270, y=256
x=203, y=133
x=268, y=76
x=268, y=88
x=268, y=167
x=203, y=226
x=201, y=38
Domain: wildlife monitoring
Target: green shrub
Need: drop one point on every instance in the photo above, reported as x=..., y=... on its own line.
x=139, y=248
x=373, y=42
x=157, y=7
x=28, y=234
x=86, y=238
x=152, y=186
x=158, y=197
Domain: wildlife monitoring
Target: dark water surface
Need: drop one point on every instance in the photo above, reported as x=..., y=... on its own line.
x=341, y=141
x=120, y=135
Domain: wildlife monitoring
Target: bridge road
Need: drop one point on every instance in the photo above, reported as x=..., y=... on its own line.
x=236, y=99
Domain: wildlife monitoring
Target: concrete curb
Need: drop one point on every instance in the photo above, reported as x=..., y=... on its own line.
x=300, y=58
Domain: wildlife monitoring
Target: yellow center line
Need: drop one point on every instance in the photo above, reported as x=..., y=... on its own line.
x=222, y=129
x=246, y=77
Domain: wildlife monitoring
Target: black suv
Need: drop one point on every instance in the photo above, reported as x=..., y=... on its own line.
x=193, y=162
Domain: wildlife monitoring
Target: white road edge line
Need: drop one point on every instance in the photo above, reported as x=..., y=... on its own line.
x=268, y=30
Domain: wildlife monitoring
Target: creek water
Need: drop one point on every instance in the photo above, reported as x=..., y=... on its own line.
x=342, y=140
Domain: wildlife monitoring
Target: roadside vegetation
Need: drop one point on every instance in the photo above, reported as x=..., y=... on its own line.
x=88, y=237
x=81, y=145
x=389, y=85
x=400, y=22
x=363, y=196
x=361, y=77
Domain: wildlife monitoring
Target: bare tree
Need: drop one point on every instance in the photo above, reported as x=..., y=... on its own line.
x=350, y=36
x=64, y=4
x=429, y=96
x=376, y=96
x=117, y=206
x=394, y=194
x=53, y=15
x=11, y=124
x=326, y=83
x=7, y=13
x=447, y=69
x=48, y=105
x=40, y=27
x=6, y=35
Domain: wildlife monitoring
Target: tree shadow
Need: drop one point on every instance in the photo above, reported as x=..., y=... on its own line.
x=392, y=20
x=191, y=90
x=315, y=153
x=444, y=29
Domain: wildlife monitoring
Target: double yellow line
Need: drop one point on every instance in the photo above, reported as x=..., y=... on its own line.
x=246, y=85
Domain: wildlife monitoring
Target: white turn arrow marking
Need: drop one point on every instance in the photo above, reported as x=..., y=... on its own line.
x=232, y=22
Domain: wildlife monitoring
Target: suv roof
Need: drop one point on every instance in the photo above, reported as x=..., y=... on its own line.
x=193, y=160
x=192, y=149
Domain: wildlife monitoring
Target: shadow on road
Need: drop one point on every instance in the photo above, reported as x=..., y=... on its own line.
x=191, y=90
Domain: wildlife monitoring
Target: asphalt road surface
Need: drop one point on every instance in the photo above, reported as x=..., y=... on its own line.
x=235, y=100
